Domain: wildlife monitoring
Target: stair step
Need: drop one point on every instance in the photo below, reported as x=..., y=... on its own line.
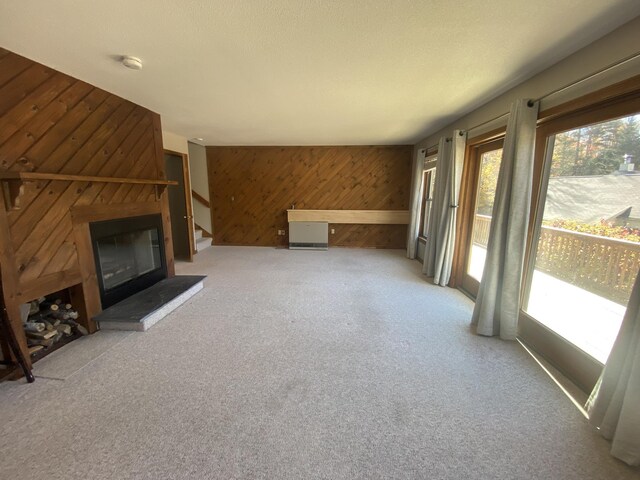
x=198, y=234
x=202, y=243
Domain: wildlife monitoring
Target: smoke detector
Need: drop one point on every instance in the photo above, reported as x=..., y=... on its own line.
x=134, y=63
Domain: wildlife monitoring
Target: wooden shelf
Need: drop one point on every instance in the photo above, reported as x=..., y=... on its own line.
x=35, y=176
x=12, y=182
x=375, y=217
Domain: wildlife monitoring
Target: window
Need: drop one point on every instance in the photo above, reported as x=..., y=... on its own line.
x=428, y=182
x=485, y=195
x=479, y=189
x=583, y=243
x=587, y=251
x=584, y=247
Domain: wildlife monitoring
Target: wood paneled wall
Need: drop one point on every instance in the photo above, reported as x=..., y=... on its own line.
x=252, y=187
x=53, y=123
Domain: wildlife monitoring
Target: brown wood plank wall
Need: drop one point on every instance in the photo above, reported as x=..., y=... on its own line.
x=50, y=122
x=252, y=187
x=53, y=123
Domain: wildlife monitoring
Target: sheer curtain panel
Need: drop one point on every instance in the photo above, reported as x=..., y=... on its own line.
x=498, y=301
x=416, y=197
x=614, y=405
x=438, y=258
x=429, y=261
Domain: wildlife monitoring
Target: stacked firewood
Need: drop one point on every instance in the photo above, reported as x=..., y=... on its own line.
x=48, y=322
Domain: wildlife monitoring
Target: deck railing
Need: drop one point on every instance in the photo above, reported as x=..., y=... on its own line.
x=604, y=266
x=481, y=226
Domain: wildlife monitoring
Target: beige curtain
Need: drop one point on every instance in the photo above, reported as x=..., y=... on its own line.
x=498, y=301
x=614, y=405
x=416, y=200
x=438, y=258
x=429, y=260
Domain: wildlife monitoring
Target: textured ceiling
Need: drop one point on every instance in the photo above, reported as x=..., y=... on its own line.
x=306, y=72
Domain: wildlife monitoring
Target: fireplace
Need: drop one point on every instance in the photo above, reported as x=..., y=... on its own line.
x=129, y=256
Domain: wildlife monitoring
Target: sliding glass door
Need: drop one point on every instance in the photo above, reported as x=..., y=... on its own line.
x=585, y=242
x=482, y=182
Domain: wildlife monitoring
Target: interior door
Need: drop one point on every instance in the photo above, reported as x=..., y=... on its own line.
x=484, y=165
x=180, y=206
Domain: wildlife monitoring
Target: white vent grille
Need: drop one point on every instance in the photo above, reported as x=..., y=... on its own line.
x=308, y=235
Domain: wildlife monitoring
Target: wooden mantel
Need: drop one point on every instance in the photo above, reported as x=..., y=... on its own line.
x=34, y=176
x=16, y=179
x=371, y=217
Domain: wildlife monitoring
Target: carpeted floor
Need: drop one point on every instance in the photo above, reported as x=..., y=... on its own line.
x=343, y=364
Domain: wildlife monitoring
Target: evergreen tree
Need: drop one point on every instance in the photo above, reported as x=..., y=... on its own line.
x=627, y=140
x=489, y=169
x=597, y=149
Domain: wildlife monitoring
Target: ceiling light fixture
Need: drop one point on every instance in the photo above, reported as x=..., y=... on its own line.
x=134, y=63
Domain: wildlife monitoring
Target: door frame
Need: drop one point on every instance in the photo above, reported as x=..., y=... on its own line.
x=188, y=202
x=582, y=369
x=468, y=195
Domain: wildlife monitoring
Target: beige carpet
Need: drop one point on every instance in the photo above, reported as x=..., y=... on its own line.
x=63, y=363
x=343, y=364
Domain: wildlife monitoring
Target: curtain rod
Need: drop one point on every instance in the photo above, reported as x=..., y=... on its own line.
x=590, y=76
x=448, y=139
x=558, y=90
x=567, y=86
x=426, y=150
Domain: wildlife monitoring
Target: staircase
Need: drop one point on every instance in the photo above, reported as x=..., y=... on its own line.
x=201, y=241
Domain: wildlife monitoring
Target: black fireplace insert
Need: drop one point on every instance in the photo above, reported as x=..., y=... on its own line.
x=129, y=255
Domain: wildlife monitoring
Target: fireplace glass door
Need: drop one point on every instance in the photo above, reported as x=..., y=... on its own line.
x=127, y=256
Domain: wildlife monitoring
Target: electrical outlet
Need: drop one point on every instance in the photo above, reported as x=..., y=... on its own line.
x=333, y=231
x=281, y=233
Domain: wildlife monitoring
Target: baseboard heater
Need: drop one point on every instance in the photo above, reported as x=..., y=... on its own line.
x=308, y=235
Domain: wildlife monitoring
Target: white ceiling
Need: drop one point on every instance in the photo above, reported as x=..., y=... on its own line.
x=307, y=72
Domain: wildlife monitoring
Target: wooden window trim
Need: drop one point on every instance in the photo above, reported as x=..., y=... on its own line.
x=613, y=96
x=591, y=104
x=618, y=100
x=625, y=103
x=433, y=155
x=603, y=97
x=468, y=190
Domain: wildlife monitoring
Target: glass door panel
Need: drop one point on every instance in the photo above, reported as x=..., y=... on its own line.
x=586, y=250
x=488, y=158
x=487, y=182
